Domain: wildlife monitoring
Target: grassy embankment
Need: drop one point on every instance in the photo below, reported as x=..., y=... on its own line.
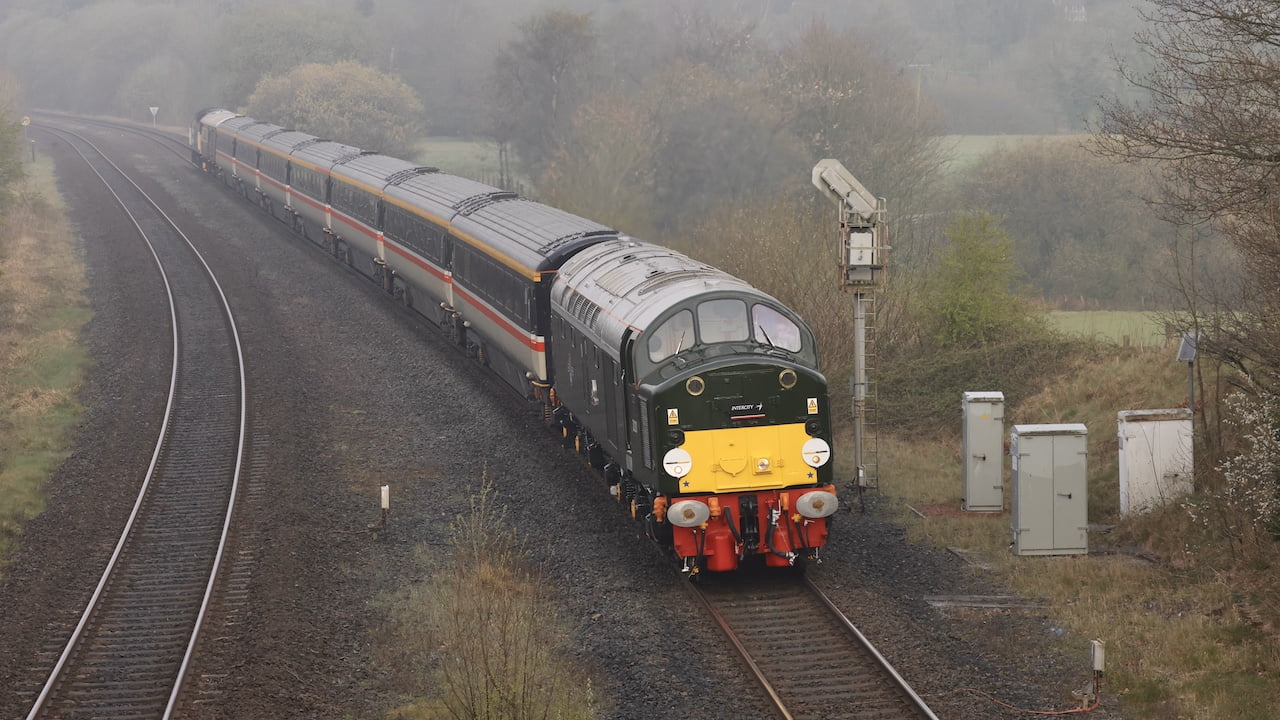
x=41, y=359
x=480, y=638
x=1188, y=635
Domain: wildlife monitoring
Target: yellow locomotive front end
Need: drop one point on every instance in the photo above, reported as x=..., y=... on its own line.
x=743, y=462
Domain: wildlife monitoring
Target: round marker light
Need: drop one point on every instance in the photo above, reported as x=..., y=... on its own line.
x=816, y=452
x=688, y=513
x=817, y=504
x=787, y=379
x=762, y=464
x=695, y=386
x=677, y=462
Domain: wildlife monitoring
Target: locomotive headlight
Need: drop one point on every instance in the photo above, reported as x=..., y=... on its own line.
x=688, y=513
x=695, y=386
x=677, y=462
x=816, y=452
x=817, y=504
x=787, y=379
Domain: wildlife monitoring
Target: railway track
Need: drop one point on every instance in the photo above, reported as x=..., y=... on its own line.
x=810, y=659
x=171, y=143
x=129, y=652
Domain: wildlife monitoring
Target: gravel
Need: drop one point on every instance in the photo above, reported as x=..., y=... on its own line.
x=349, y=393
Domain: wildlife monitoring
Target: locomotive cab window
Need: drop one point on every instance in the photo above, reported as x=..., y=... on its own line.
x=672, y=336
x=774, y=328
x=723, y=320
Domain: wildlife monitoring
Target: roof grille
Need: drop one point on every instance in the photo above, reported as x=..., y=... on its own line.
x=476, y=202
x=566, y=239
x=401, y=175
x=352, y=156
x=658, y=279
x=307, y=143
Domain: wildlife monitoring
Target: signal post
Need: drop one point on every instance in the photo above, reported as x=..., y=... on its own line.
x=862, y=248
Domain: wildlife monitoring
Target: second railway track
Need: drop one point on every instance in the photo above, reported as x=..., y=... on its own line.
x=810, y=659
x=129, y=652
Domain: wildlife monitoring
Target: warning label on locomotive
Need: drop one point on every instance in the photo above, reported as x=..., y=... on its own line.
x=673, y=416
x=813, y=406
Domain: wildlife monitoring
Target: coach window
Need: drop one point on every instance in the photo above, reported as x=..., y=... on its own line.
x=672, y=336
x=723, y=320
x=774, y=328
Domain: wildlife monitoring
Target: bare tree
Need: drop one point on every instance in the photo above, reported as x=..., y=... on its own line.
x=538, y=80
x=1213, y=120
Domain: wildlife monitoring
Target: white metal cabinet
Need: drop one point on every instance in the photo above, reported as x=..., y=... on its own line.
x=983, y=447
x=1156, y=457
x=1050, y=489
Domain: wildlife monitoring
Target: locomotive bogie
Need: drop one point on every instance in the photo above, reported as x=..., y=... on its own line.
x=719, y=532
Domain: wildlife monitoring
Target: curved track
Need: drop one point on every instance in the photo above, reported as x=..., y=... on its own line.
x=129, y=652
x=170, y=142
x=810, y=659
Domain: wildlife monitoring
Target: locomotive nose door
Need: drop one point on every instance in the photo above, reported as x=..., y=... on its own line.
x=622, y=377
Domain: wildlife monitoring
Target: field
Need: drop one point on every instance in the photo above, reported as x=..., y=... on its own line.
x=41, y=360
x=475, y=159
x=1123, y=327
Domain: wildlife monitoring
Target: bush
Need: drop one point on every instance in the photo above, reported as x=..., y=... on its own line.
x=487, y=630
x=969, y=299
x=920, y=395
x=346, y=101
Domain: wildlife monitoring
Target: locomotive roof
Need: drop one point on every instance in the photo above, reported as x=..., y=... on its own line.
x=528, y=232
x=214, y=117
x=627, y=284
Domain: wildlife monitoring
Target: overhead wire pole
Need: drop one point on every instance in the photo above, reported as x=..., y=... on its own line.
x=863, y=252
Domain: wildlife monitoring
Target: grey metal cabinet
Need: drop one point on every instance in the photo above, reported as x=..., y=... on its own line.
x=1050, y=489
x=983, y=448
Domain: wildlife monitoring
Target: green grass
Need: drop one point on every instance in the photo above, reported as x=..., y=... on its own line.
x=476, y=159
x=1137, y=328
x=41, y=360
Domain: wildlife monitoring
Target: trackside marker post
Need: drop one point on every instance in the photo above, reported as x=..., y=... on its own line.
x=386, y=503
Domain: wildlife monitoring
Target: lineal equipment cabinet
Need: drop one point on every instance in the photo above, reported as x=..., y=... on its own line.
x=1050, y=489
x=1156, y=457
x=983, y=448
